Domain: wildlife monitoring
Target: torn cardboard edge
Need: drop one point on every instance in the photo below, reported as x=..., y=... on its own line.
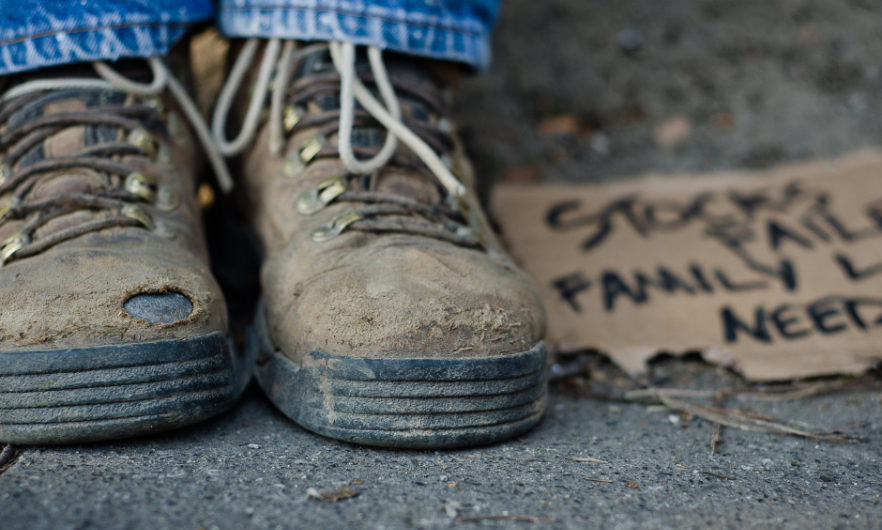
x=776, y=274
x=635, y=362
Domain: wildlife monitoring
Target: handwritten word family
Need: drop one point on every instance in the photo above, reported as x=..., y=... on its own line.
x=760, y=229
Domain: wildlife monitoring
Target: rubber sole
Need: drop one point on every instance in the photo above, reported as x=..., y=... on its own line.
x=112, y=392
x=405, y=403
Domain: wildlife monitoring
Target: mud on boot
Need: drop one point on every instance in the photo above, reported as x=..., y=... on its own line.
x=111, y=324
x=391, y=316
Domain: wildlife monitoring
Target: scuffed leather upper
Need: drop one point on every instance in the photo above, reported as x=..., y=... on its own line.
x=72, y=294
x=381, y=294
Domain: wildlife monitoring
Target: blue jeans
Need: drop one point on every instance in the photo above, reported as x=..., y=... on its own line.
x=39, y=33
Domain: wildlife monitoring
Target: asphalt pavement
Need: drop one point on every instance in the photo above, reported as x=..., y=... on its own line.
x=252, y=468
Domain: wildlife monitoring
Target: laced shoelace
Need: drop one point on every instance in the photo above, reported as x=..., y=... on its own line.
x=121, y=203
x=445, y=221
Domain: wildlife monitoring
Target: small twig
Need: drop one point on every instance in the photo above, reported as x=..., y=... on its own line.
x=850, y=427
x=716, y=475
x=719, y=400
x=715, y=439
x=778, y=393
x=631, y=483
x=747, y=421
x=526, y=518
x=815, y=389
x=597, y=480
x=653, y=393
x=811, y=390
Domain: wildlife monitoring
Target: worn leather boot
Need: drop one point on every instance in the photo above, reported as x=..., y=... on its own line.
x=391, y=316
x=110, y=322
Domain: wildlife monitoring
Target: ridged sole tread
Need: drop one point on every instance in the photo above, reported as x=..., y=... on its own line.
x=405, y=403
x=110, y=392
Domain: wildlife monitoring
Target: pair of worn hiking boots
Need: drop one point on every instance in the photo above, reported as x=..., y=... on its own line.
x=389, y=314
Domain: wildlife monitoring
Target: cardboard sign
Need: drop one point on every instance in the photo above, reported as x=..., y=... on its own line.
x=776, y=273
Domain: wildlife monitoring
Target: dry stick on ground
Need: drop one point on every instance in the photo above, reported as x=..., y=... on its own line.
x=794, y=392
x=785, y=393
x=715, y=439
x=652, y=393
x=749, y=422
x=742, y=420
x=719, y=401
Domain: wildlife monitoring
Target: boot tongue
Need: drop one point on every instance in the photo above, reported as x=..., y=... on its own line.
x=68, y=139
x=63, y=143
x=409, y=184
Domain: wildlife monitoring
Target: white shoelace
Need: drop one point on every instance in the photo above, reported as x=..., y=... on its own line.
x=351, y=89
x=162, y=79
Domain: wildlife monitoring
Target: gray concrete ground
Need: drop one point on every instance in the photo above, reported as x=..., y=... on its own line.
x=251, y=469
x=756, y=83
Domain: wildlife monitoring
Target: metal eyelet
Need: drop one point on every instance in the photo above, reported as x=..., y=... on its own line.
x=170, y=118
x=175, y=125
x=166, y=156
x=142, y=185
x=336, y=227
x=444, y=126
x=292, y=166
x=155, y=103
x=144, y=140
x=466, y=232
x=461, y=205
x=163, y=229
x=133, y=211
x=290, y=117
x=166, y=199
x=310, y=147
x=313, y=201
x=10, y=246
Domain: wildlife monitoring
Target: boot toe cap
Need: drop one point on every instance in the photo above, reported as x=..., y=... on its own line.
x=407, y=298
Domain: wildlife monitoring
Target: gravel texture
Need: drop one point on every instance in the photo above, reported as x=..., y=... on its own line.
x=251, y=468
x=638, y=85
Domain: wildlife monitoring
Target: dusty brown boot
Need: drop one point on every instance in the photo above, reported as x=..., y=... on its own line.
x=390, y=314
x=110, y=322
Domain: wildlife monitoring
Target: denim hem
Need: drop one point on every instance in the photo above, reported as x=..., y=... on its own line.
x=36, y=34
x=100, y=44
x=461, y=40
